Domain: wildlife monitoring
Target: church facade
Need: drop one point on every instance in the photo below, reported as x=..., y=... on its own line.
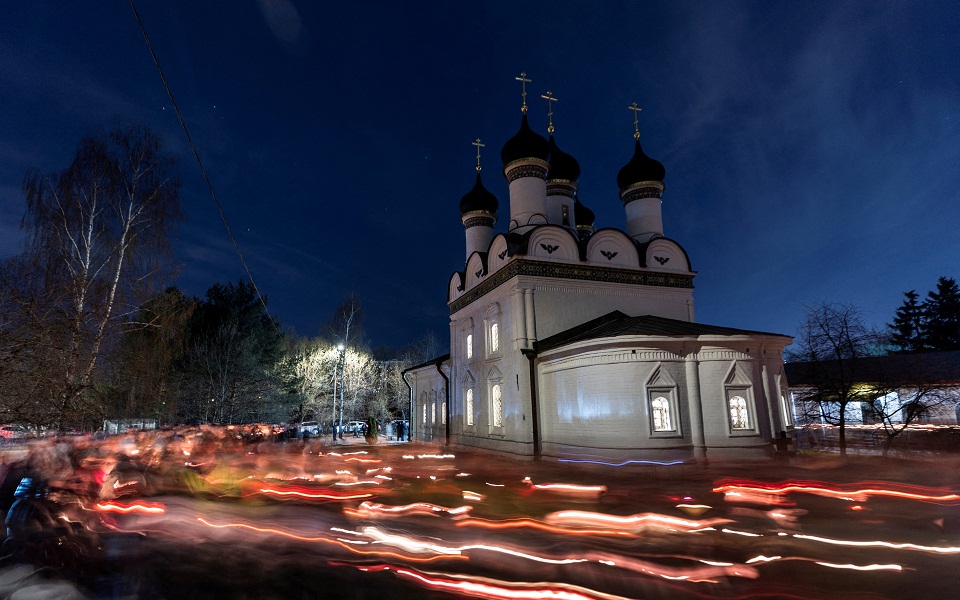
x=570, y=342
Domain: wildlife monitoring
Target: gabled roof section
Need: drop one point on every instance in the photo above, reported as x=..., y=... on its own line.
x=432, y=361
x=616, y=324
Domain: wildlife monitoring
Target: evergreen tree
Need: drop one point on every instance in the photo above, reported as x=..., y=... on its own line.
x=942, y=315
x=908, y=330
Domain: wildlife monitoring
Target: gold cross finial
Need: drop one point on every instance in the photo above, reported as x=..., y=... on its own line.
x=636, y=123
x=523, y=87
x=550, y=100
x=478, y=145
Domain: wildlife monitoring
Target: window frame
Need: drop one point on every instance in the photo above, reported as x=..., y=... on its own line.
x=670, y=395
x=469, y=404
x=742, y=392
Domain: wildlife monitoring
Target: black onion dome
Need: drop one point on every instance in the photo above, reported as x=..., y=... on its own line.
x=582, y=215
x=526, y=144
x=640, y=168
x=478, y=199
x=562, y=165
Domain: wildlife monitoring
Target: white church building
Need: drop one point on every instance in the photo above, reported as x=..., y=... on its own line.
x=569, y=342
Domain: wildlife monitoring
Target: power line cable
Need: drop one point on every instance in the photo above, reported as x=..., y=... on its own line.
x=196, y=155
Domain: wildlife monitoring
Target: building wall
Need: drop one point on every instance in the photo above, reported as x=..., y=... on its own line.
x=595, y=399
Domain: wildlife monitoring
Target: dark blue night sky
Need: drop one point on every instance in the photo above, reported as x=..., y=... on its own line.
x=811, y=148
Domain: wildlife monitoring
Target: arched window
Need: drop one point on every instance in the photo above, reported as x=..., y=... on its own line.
x=443, y=413
x=739, y=415
x=496, y=405
x=433, y=410
x=469, y=346
x=662, y=420
x=495, y=338
x=468, y=410
x=423, y=403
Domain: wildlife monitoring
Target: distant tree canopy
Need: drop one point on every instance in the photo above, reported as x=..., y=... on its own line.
x=931, y=325
x=235, y=367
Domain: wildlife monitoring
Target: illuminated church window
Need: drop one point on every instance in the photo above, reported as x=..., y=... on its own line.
x=494, y=338
x=433, y=411
x=468, y=410
x=739, y=416
x=469, y=346
x=496, y=405
x=662, y=420
x=443, y=413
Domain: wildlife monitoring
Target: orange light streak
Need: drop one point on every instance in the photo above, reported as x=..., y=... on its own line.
x=147, y=508
x=346, y=545
x=634, y=523
x=540, y=525
x=482, y=587
x=907, y=492
x=314, y=495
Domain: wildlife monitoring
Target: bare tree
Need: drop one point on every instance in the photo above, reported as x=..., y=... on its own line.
x=913, y=387
x=832, y=342
x=98, y=237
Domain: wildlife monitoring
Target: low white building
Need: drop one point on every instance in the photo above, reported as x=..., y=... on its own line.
x=568, y=342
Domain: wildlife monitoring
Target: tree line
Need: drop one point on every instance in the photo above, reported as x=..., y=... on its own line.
x=90, y=329
x=896, y=375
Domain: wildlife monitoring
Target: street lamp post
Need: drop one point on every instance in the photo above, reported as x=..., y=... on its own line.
x=338, y=377
x=342, y=367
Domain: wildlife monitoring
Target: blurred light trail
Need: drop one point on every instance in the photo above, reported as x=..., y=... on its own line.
x=369, y=509
x=147, y=508
x=482, y=587
x=882, y=544
x=540, y=525
x=634, y=523
x=862, y=568
x=566, y=487
x=624, y=463
x=843, y=492
x=312, y=495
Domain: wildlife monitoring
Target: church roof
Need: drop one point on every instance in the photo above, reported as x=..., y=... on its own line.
x=563, y=167
x=617, y=324
x=526, y=144
x=640, y=168
x=432, y=361
x=479, y=199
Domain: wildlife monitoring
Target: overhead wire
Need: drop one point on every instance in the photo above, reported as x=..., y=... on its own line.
x=196, y=155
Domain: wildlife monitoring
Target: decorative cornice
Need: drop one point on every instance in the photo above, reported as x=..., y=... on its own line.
x=526, y=167
x=636, y=193
x=556, y=188
x=535, y=268
x=478, y=219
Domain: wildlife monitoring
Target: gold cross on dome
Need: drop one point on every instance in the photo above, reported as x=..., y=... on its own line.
x=550, y=100
x=636, y=122
x=478, y=145
x=523, y=89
